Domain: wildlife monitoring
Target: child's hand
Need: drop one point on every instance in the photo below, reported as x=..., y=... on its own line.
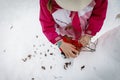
x=69, y=50
x=84, y=40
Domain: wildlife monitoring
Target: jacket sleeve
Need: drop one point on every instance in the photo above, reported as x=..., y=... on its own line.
x=47, y=23
x=97, y=18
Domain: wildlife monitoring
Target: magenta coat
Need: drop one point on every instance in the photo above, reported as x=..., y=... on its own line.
x=51, y=26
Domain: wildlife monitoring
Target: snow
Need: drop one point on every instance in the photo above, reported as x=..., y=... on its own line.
x=26, y=54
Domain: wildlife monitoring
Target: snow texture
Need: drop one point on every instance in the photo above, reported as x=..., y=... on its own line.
x=26, y=54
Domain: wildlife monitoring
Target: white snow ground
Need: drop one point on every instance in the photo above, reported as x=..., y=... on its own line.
x=25, y=54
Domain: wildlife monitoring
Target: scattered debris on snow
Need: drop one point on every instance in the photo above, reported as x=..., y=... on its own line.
x=24, y=60
x=66, y=65
x=36, y=36
x=11, y=27
x=29, y=56
x=50, y=67
x=118, y=16
x=33, y=78
x=43, y=67
x=82, y=67
x=4, y=50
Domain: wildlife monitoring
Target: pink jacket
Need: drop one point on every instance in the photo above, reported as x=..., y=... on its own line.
x=48, y=24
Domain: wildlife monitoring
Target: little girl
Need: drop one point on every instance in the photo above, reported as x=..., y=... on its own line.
x=72, y=23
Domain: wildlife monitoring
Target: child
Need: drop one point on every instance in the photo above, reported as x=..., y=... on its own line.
x=72, y=23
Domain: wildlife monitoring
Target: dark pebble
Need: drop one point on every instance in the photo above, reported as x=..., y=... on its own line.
x=33, y=78
x=50, y=67
x=43, y=67
x=36, y=36
x=29, y=56
x=48, y=50
x=51, y=53
x=45, y=54
x=35, y=52
x=24, y=60
x=11, y=27
x=33, y=45
x=82, y=67
x=66, y=65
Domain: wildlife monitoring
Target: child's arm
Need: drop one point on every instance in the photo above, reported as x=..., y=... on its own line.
x=97, y=18
x=47, y=23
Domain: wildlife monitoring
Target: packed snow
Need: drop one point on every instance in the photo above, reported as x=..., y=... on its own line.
x=26, y=54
